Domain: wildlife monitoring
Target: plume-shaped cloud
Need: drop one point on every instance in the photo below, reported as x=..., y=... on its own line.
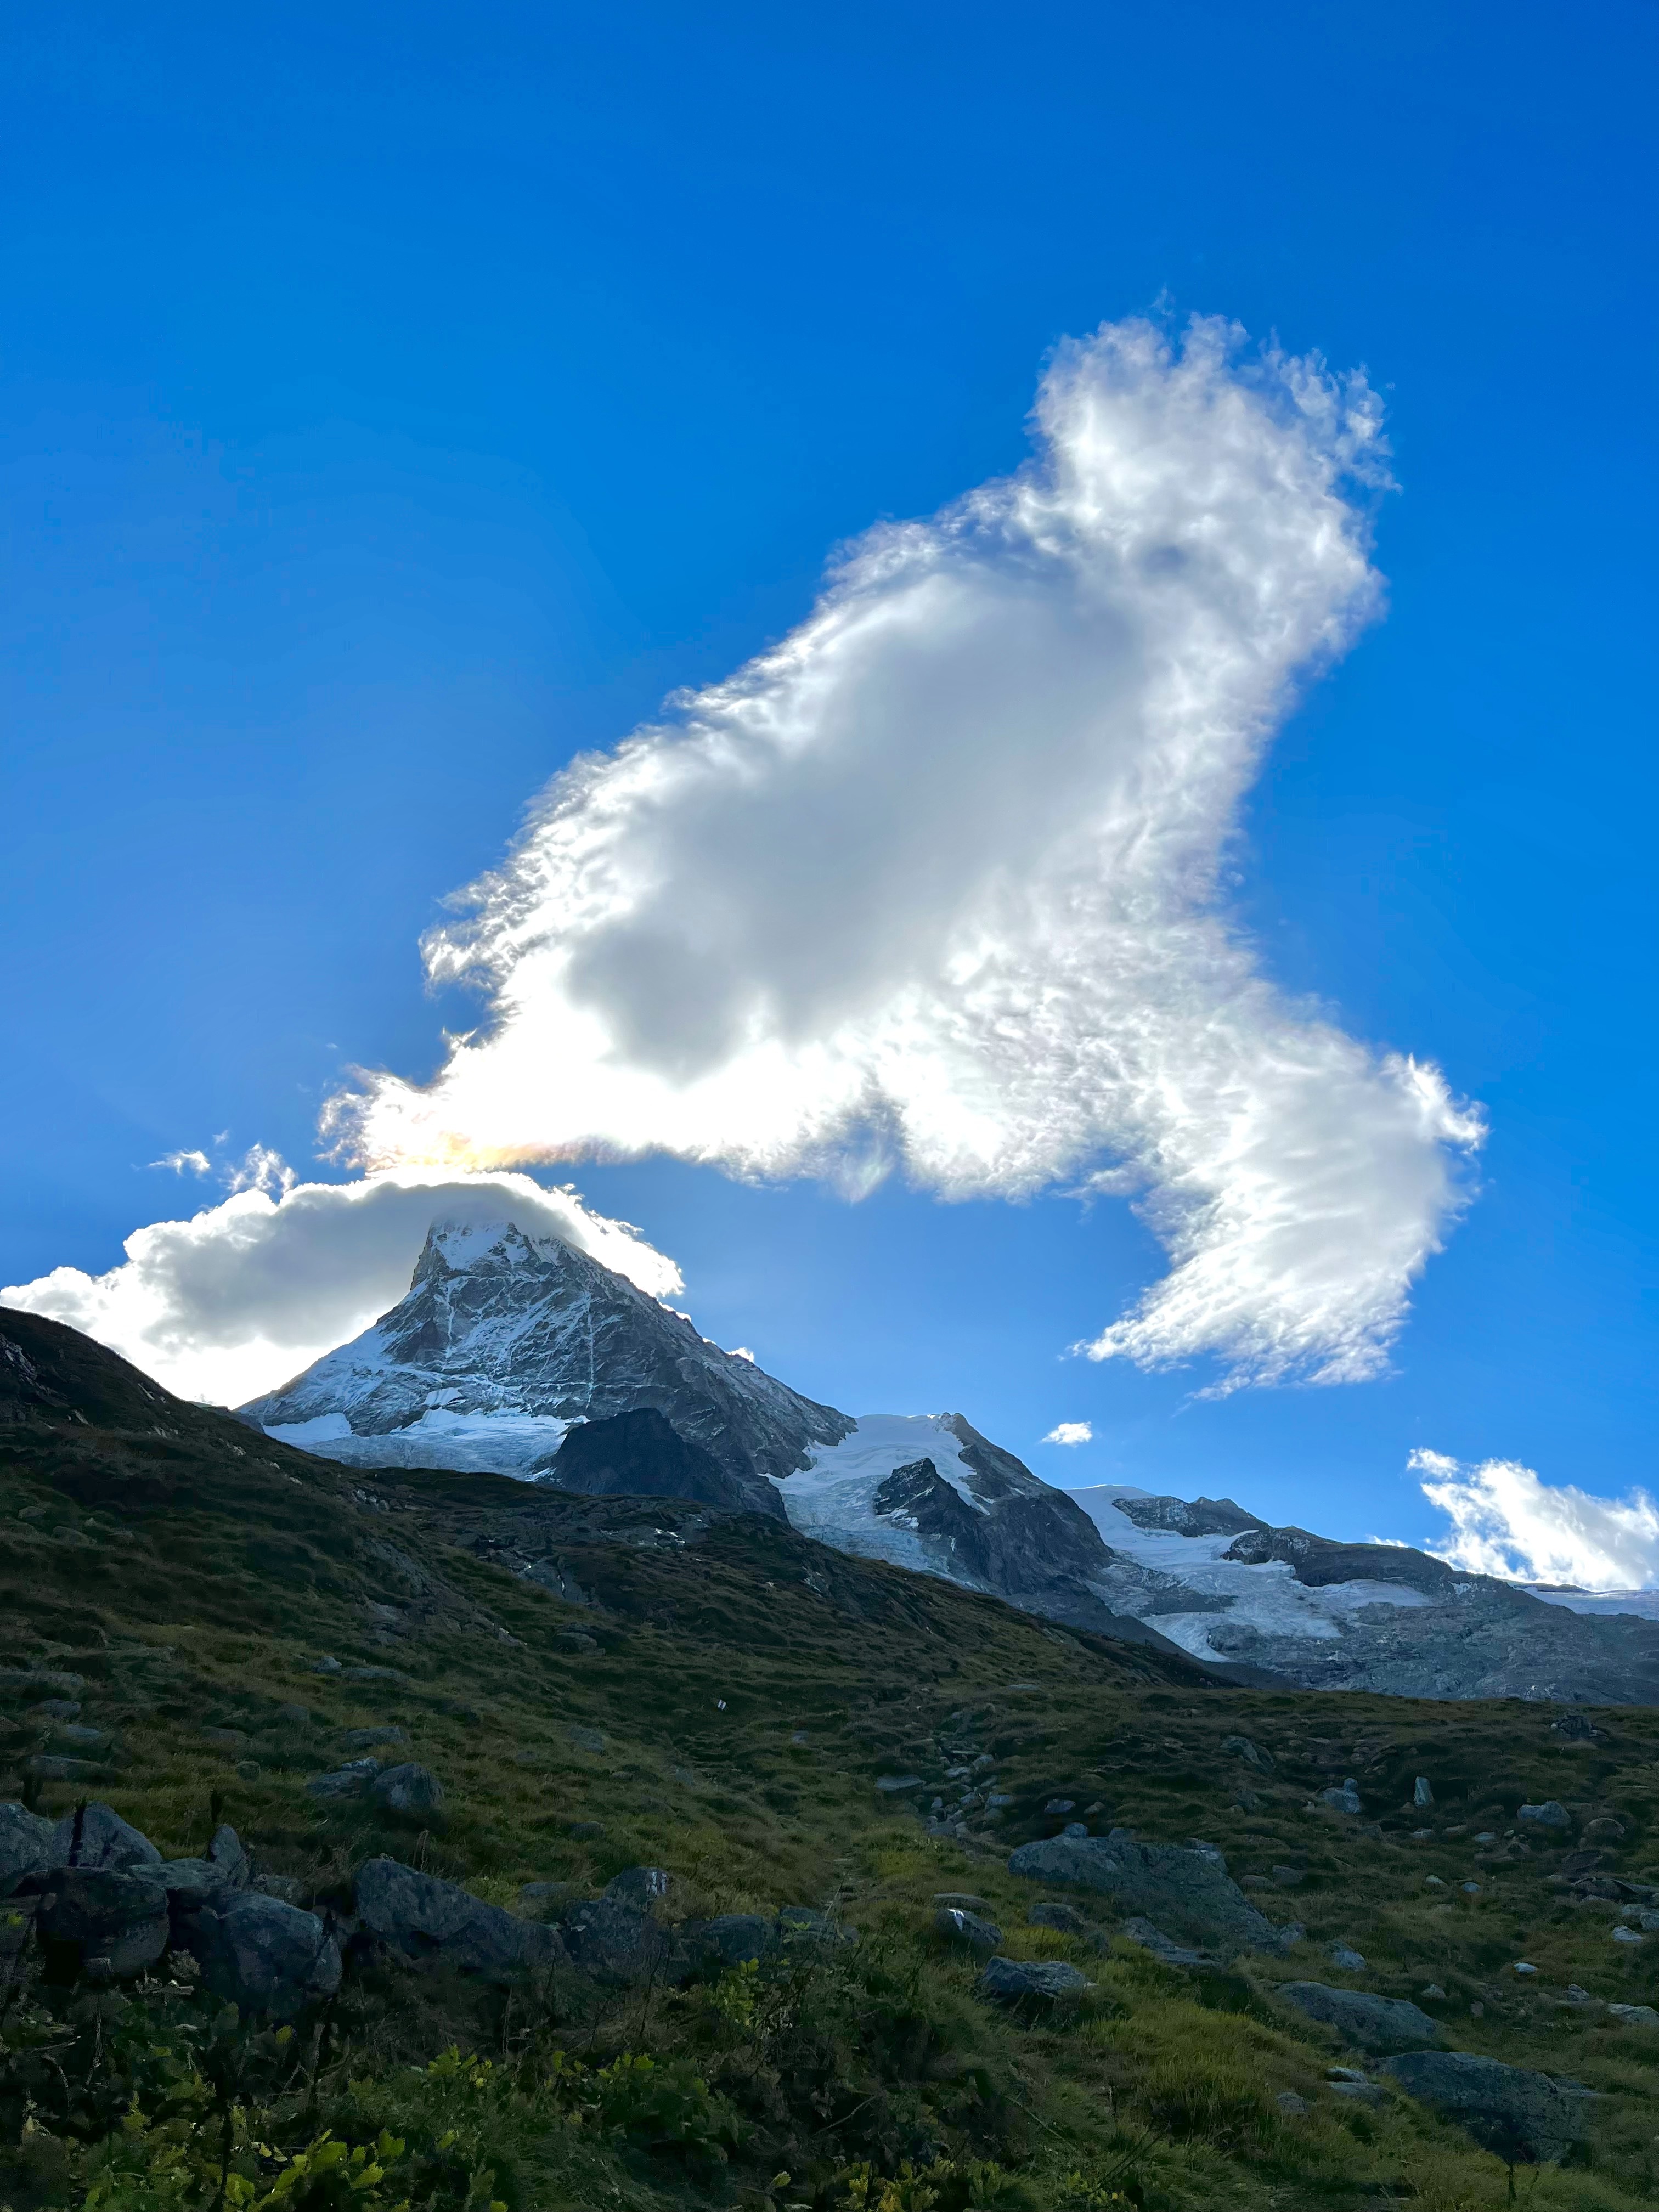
x=933, y=883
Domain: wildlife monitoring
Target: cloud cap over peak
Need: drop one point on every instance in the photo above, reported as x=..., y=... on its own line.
x=931, y=884
x=243, y=1295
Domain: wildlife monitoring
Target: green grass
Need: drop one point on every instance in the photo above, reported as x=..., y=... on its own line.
x=191, y=1573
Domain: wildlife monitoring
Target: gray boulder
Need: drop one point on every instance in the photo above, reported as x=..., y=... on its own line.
x=97, y=1836
x=24, y=1845
x=1522, y=2117
x=101, y=1921
x=731, y=1939
x=263, y=1955
x=1550, y=1814
x=365, y=1739
x=1008, y=1980
x=1183, y=1892
x=1240, y=1747
x=1345, y=1800
x=967, y=1927
x=1371, y=2023
x=1065, y=1918
x=640, y=1885
x=425, y=1918
x=620, y=1944
x=1162, y=1948
x=348, y=1781
x=408, y=1789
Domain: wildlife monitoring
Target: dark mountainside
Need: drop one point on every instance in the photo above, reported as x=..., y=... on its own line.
x=737, y=1872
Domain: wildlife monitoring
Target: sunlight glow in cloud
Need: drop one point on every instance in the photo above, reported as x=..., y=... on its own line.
x=1071, y=1432
x=245, y=1294
x=1505, y=1521
x=933, y=885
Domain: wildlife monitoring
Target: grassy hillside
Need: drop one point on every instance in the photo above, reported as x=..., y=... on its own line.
x=599, y=1684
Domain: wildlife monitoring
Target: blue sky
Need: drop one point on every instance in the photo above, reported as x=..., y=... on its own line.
x=390, y=411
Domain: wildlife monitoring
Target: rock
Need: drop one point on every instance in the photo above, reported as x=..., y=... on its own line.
x=967, y=1927
x=90, y=1914
x=1213, y=1852
x=81, y=1738
x=1056, y=1806
x=587, y=1831
x=426, y=1919
x=576, y=1640
x=731, y=1939
x=587, y=1739
x=1344, y=2082
x=548, y=1892
x=1622, y=1935
x=406, y=1790
x=365, y=1739
x=291, y=1714
x=1007, y=1981
x=1345, y=1800
x=55, y=1681
x=898, y=1785
x=348, y=1781
x=1164, y=1947
x=287, y=1886
x=1522, y=2117
x=1072, y=1829
x=997, y=1799
x=1422, y=1794
x=1182, y=1891
x=1635, y=2016
x=1345, y=1956
x=1524, y=1966
x=97, y=1836
x=26, y=1843
x=1372, y=2023
x=53, y=1766
x=1606, y=1829
x=374, y=1675
x=1066, y=1918
x=225, y=1853
x=1433, y=1882
x=963, y=1899
x=326, y=1666
x=1292, y=2106
x=1549, y=1814
x=1433, y=1990
x=1288, y=1877
x=1240, y=1747
x=640, y=1885
x=618, y=1943
x=55, y=1709
x=262, y=1955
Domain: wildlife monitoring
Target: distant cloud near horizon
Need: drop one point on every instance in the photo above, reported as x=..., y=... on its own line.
x=933, y=885
x=1506, y=1521
x=246, y=1294
x=1071, y=1432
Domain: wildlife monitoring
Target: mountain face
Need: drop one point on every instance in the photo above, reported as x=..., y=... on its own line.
x=1378, y=1616
x=517, y=1355
x=505, y=1341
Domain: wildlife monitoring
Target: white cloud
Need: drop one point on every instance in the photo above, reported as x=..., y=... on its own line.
x=1071, y=1432
x=933, y=885
x=245, y=1294
x=1506, y=1521
x=197, y=1162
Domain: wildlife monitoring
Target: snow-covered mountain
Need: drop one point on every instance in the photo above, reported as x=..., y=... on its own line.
x=507, y=1344
x=505, y=1340
x=1334, y=1616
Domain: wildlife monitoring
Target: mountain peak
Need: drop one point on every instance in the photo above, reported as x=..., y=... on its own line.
x=506, y=1339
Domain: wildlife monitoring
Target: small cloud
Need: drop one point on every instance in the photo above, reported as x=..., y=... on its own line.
x=742, y=1352
x=1071, y=1432
x=1508, y=1522
x=261, y=1169
x=196, y=1162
